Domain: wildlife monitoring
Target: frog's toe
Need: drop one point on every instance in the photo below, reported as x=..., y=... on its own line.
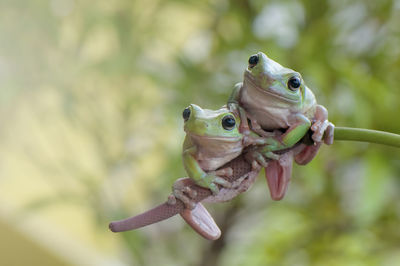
x=271, y=155
x=190, y=192
x=328, y=136
x=255, y=166
x=223, y=182
x=319, y=130
x=171, y=200
x=227, y=172
x=315, y=125
x=188, y=202
x=214, y=188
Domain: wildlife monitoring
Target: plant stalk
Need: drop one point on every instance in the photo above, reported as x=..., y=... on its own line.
x=367, y=135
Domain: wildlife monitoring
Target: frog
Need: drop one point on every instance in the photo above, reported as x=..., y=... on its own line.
x=213, y=139
x=274, y=98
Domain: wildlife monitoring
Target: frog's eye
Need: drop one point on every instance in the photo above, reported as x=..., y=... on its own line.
x=253, y=60
x=228, y=122
x=186, y=114
x=294, y=83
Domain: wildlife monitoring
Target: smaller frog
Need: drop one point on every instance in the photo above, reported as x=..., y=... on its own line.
x=212, y=139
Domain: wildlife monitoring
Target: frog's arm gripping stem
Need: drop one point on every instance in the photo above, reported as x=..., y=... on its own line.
x=164, y=211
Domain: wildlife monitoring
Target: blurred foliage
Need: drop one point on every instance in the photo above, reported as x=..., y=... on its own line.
x=91, y=99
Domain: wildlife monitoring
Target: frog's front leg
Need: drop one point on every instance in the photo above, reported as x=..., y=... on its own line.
x=201, y=178
x=296, y=131
x=292, y=135
x=322, y=131
x=234, y=106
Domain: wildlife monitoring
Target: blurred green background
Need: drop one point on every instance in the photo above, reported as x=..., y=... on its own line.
x=91, y=95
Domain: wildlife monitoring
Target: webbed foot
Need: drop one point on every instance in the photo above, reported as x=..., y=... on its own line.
x=181, y=190
x=214, y=179
x=278, y=174
x=322, y=128
x=202, y=222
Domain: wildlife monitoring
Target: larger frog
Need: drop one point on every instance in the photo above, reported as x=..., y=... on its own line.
x=277, y=98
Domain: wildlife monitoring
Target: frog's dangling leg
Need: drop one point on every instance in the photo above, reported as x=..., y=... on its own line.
x=202, y=222
x=278, y=174
x=307, y=153
x=194, y=213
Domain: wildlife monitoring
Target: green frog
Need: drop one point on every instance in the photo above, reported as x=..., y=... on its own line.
x=276, y=98
x=213, y=139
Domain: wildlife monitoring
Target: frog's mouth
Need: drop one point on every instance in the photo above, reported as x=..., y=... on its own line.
x=278, y=175
x=287, y=97
x=215, y=138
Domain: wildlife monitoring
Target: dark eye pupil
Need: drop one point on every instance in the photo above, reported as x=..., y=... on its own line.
x=253, y=60
x=228, y=122
x=186, y=114
x=294, y=83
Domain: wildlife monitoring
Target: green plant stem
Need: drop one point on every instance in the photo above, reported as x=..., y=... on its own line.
x=367, y=135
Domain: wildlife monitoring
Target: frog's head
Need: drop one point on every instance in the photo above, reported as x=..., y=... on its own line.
x=218, y=124
x=273, y=79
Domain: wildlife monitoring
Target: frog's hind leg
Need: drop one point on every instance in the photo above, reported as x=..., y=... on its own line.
x=202, y=222
x=307, y=153
x=195, y=214
x=278, y=174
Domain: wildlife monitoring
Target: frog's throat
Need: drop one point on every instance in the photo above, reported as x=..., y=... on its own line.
x=250, y=79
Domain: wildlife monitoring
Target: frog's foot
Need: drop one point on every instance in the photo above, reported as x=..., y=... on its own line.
x=212, y=182
x=244, y=125
x=323, y=131
x=256, y=159
x=278, y=174
x=306, y=153
x=322, y=128
x=202, y=222
x=181, y=190
x=270, y=155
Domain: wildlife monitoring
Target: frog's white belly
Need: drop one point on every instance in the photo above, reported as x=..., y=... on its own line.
x=271, y=113
x=214, y=155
